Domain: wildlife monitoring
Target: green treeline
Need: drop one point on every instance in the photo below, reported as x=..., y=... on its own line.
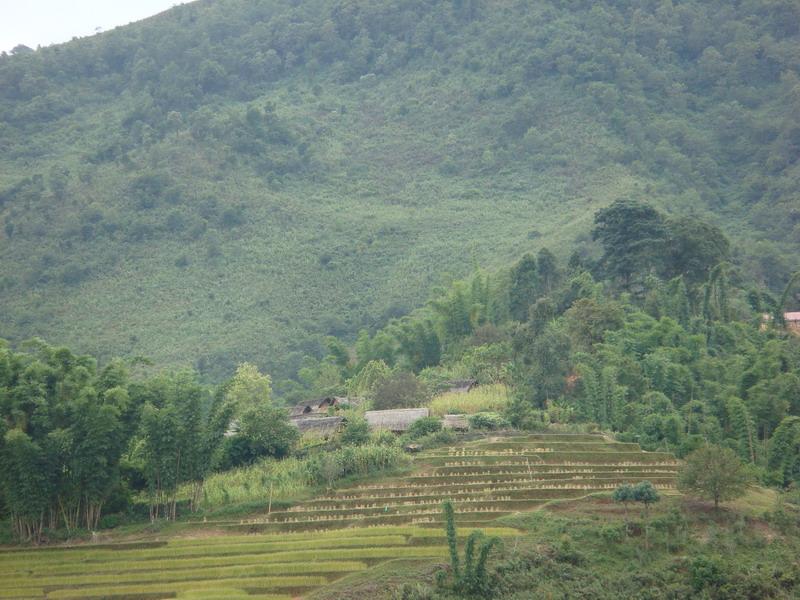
x=276, y=148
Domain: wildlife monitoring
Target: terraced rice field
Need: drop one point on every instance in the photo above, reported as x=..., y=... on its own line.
x=485, y=480
x=288, y=553
x=258, y=567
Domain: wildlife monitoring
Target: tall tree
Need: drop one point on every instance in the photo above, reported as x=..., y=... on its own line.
x=694, y=248
x=249, y=388
x=715, y=473
x=523, y=289
x=27, y=484
x=784, y=451
x=633, y=236
x=547, y=269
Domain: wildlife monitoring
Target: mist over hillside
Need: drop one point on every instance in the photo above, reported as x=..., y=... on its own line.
x=234, y=180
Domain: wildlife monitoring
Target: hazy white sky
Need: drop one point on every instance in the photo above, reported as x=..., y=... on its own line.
x=45, y=22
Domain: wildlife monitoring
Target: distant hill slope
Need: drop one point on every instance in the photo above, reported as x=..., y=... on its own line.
x=235, y=179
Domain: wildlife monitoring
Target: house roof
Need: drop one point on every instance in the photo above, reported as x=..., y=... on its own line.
x=399, y=419
x=321, y=426
x=791, y=316
x=319, y=405
x=301, y=409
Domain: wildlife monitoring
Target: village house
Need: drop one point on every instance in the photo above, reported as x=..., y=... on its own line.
x=321, y=427
x=790, y=319
x=320, y=406
x=456, y=422
x=396, y=421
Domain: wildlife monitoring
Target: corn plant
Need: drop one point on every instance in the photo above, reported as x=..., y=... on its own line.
x=472, y=580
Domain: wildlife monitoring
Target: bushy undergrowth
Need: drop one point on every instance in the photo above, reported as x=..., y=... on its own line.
x=580, y=556
x=291, y=477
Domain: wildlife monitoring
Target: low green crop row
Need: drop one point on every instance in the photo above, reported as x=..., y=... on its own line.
x=158, y=575
x=24, y=592
x=455, y=490
x=489, y=531
x=556, y=437
x=280, y=559
x=261, y=583
x=130, y=559
x=415, y=519
x=288, y=537
x=556, y=446
x=140, y=568
x=428, y=481
x=556, y=457
x=229, y=594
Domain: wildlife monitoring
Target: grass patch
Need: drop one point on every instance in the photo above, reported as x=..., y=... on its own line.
x=484, y=398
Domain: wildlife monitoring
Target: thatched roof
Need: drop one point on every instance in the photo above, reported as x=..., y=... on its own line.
x=320, y=426
x=394, y=420
x=320, y=405
x=456, y=422
x=304, y=408
x=461, y=385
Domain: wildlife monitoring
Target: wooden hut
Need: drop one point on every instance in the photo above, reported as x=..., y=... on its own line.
x=397, y=420
x=320, y=406
x=324, y=427
x=792, y=320
x=456, y=422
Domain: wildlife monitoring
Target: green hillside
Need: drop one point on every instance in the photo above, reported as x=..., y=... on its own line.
x=233, y=180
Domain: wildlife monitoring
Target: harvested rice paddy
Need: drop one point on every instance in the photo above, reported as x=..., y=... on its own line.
x=288, y=553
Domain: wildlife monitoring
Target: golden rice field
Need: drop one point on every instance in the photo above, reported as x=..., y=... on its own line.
x=484, y=398
x=291, y=552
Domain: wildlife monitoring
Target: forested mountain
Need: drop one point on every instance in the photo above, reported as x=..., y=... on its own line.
x=235, y=179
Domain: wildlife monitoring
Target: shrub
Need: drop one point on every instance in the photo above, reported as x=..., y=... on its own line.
x=423, y=427
x=356, y=433
x=611, y=534
x=488, y=421
x=565, y=552
x=264, y=431
x=705, y=573
x=384, y=437
x=400, y=390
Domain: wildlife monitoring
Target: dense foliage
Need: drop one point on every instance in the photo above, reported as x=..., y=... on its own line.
x=235, y=179
x=77, y=440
